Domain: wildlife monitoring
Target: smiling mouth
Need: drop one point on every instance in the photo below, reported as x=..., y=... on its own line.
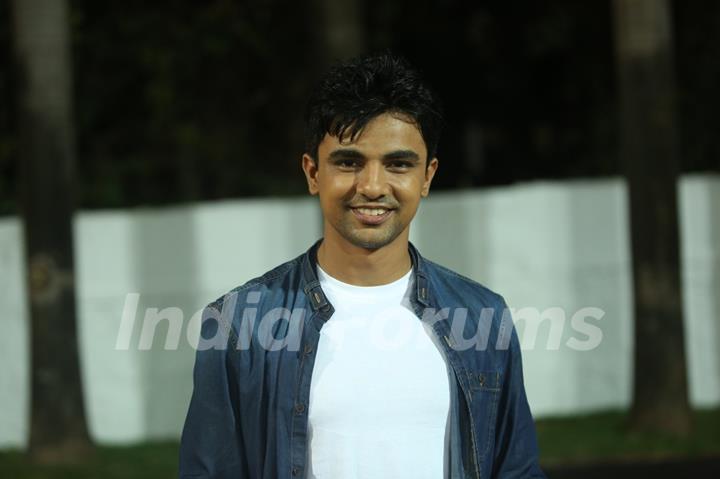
x=371, y=216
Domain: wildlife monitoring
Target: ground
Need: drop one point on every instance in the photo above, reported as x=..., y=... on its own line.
x=574, y=447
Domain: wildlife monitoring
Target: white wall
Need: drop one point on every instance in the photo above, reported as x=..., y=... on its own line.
x=14, y=350
x=541, y=245
x=700, y=236
x=547, y=245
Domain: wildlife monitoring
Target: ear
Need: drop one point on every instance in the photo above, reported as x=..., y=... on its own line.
x=310, y=168
x=429, y=174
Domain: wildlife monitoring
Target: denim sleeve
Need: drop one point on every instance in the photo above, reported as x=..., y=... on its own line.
x=516, y=450
x=212, y=444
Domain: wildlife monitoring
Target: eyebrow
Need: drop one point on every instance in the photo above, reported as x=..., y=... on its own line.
x=355, y=154
x=402, y=155
x=346, y=153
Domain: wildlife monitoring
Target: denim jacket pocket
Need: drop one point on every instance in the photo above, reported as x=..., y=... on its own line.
x=484, y=381
x=485, y=389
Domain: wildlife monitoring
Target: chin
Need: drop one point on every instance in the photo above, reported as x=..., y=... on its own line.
x=371, y=242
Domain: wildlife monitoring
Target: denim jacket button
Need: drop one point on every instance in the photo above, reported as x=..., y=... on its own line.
x=299, y=408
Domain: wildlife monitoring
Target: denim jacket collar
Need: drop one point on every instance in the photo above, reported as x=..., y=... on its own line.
x=320, y=303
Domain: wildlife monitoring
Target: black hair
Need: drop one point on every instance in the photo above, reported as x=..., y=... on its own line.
x=352, y=93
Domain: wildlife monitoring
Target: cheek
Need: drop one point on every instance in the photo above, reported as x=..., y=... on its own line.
x=409, y=188
x=334, y=182
x=341, y=189
x=331, y=204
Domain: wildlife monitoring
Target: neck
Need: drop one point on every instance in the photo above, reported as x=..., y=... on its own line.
x=364, y=267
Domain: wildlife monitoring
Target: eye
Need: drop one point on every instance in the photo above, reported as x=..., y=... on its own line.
x=400, y=165
x=347, y=163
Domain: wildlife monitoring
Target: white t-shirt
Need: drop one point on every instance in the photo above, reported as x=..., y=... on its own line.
x=379, y=394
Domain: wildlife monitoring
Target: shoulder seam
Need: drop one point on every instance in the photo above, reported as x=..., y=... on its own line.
x=271, y=275
x=467, y=280
x=267, y=277
x=456, y=274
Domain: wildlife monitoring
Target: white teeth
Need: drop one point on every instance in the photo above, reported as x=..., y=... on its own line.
x=372, y=211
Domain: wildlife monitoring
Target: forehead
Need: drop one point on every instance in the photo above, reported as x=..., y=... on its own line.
x=382, y=134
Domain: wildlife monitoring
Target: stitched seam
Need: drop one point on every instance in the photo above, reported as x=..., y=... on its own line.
x=298, y=388
x=266, y=278
x=474, y=445
x=457, y=275
x=492, y=419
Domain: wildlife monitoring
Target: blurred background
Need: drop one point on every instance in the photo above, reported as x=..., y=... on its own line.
x=150, y=162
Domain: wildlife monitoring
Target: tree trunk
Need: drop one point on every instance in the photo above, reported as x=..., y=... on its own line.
x=42, y=47
x=643, y=38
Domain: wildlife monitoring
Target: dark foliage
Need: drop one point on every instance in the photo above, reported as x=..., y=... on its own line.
x=536, y=81
x=182, y=101
x=697, y=61
x=8, y=166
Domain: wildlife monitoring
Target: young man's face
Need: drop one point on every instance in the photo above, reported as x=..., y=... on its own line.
x=370, y=189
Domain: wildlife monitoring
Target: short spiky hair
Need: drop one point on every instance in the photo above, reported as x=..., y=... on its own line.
x=353, y=93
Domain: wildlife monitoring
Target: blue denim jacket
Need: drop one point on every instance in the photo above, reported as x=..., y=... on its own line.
x=248, y=414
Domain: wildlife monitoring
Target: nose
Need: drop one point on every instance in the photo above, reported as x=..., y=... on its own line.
x=371, y=181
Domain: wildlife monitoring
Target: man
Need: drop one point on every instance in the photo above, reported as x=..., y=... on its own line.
x=359, y=364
